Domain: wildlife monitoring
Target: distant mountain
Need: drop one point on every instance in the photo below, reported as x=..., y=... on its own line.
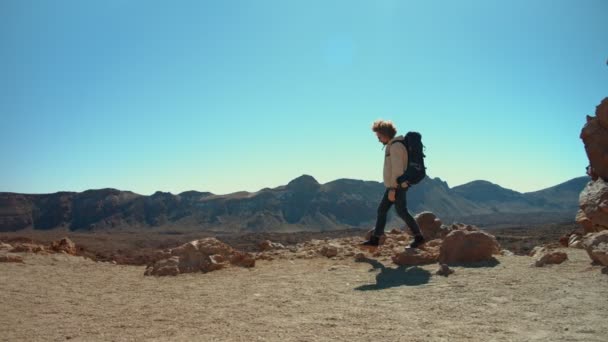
x=552, y=205
x=485, y=192
x=564, y=195
x=302, y=204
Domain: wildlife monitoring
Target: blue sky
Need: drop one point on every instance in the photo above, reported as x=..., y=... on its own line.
x=224, y=96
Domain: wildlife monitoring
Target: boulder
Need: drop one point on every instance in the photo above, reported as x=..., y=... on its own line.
x=444, y=270
x=329, y=250
x=242, y=259
x=268, y=245
x=414, y=256
x=584, y=221
x=28, y=248
x=465, y=246
x=64, y=245
x=204, y=255
x=545, y=256
x=595, y=138
x=430, y=225
x=164, y=267
x=575, y=241
x=593, y=202
x=433, y=243
x=596, y=245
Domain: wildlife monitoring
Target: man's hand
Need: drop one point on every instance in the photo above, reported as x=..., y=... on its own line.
x=391, y=195
x=405, y=185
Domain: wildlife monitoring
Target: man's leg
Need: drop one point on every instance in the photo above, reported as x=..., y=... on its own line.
x=383, y=208
x=401, y=207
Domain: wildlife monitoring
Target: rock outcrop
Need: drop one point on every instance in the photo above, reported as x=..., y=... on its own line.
x=430, y=225
x=457, y=243
x=64, y=245
x=412, y=257
x=468, y=245
x=204, y=255
x=593, y=200
x=596, y=245
x=595, y=137
x=267, y=245
x=547, y=256
x=7, y=251
x=26, y=247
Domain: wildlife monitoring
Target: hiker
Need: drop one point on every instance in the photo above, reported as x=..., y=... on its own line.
x=395, y=164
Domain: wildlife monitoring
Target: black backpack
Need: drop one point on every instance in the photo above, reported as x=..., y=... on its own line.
x=416, y=171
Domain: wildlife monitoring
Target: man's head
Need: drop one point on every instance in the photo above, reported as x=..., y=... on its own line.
x=385, y=130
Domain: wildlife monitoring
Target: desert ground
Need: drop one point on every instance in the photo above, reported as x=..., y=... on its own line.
x=59, y=297
x=137, y=247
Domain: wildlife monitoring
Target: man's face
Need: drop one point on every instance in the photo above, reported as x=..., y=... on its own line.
x=382, y=138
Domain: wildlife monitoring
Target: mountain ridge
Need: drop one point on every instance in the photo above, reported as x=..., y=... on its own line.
x=301, y=204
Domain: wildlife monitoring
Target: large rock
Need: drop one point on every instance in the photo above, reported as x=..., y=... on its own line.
x=430, y=225
x=267, y=245
x=164, y=267
x=546, y=256
x=595, y=137
x=26, y=247
x=204, y=255
x=593, y=201
x=412, y=256
x=466, y=246
x=575, y=241
x=553, y=257
x=583, y=220
x=64, y=245
x=242, y=259
x=330, y=250
x=596, y=245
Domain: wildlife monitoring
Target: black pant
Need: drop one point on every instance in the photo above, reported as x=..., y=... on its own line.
x=401, y=207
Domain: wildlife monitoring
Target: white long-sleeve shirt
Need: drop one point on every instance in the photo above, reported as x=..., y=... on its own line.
x=395, y=161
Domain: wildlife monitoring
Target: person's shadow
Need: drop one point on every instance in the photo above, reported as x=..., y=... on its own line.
x=393, y=277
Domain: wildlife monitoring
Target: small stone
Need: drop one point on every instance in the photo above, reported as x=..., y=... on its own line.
x=444, y=270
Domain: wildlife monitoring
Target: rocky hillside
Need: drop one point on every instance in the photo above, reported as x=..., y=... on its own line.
x=302, y=204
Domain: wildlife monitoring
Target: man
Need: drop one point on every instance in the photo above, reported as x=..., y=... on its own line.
x=395, y=163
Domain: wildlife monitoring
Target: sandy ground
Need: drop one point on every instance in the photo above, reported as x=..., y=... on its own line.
x=59, y=297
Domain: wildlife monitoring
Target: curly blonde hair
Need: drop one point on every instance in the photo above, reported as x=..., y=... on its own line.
x=385, y=127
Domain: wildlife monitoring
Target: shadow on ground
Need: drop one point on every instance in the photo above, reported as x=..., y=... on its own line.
x=488, y=263
x=393, y=277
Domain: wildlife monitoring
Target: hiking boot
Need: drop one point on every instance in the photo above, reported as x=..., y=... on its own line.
x=418, y=240
x=373, y=241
